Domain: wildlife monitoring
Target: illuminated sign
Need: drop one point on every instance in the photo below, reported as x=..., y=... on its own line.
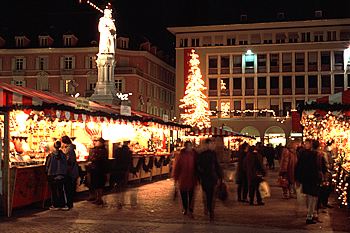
x=122, y=96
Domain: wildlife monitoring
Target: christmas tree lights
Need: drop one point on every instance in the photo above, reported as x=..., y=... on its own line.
x=194, y=104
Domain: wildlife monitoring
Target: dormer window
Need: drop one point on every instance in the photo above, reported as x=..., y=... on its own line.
x=244, y=18
x=19, y=41
x=280, y=15
x=44, y=41
x=67, y=41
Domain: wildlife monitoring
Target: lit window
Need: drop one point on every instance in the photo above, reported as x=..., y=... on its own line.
x=41, y=63
x=67, y=41
x=91, y=62
x=19, y=83
x=44, y=41
x=66, y=85
x=19, y=42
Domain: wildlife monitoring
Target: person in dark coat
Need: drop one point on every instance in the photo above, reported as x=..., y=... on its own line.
x=270, y=156
x=56, y=170
x=241, y=173
x=186, y=178
x=209, y=172
x=308, y=175
x=123, y=161
x=255, y=172
x=97, y=170
x=72, y=169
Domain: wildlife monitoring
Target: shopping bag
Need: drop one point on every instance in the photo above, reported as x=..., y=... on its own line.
x=222, y=191
x=264, y=189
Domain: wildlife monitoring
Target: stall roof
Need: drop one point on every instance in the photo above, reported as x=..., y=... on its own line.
x=215, y=131
x=337, y=98
x=16, y=97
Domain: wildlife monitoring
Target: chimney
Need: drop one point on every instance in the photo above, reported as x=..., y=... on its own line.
x=243, y=17
x=318, y=14
x=281, y=15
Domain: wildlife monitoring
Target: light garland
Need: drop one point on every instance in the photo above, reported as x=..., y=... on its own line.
x=194, y=103
x=332, y=128
x=92, y=5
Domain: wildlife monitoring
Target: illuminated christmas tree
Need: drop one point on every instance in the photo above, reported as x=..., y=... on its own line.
x=194, y=104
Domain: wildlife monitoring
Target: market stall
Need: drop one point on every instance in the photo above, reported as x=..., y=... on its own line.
x=226, y=140
x=32, y=120
x=328, y=120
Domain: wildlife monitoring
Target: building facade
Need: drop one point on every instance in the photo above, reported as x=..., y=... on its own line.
x=147, y=79
x=256, y=74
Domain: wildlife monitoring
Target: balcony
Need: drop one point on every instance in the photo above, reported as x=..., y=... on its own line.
x=262, y=69
x=326, y=67
x=213, y=70
x=313, y=91
x=262, y=92
x=326, y=90
x=299, y=68
x=213, y=93
x=225, y=92
x=237, y=93
x=249, y=92
x=225, y=70
x=274, y=91
x=274, y=69
x=237, y=70
x=287, y=91
x=300, y=91
x=287, y=68
x=312, y=67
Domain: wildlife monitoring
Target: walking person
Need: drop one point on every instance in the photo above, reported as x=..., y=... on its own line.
x=97, y=169
x=210, y=173
x=123, y=159
x=308, y=175
x=56, y=170
x=255, y=173
x=288, y=164
x=72, y=169
x=241, y=173
x=186, y=178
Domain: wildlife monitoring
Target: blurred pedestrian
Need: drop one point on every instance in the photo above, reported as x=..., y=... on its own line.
x=288, y=164
x=186, y=177
x=241, y=173
x=72, y=169
x=210, y=174
x=97, y=170
x=56, y=170
x=270, y=156
x=308, y=175
x=255, y=174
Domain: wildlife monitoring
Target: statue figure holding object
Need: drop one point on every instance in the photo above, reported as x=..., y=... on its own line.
x=107, y=30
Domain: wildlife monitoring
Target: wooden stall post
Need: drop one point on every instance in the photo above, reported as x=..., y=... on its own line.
x=6, y=172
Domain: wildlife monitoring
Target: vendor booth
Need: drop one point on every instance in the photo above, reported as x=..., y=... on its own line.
x=31, y=121
x=328, y=120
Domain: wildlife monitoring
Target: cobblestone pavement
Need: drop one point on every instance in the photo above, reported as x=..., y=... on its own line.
x=151, y=208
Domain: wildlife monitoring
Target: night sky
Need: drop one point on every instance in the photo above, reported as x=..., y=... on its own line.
x=148, y=19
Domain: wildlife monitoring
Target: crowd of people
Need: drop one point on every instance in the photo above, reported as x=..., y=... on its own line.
x=303, y=168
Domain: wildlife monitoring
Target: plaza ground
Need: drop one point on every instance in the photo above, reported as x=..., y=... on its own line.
x=151, y=208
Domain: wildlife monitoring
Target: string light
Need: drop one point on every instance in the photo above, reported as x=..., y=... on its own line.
x=194, y=103
x=92, y=5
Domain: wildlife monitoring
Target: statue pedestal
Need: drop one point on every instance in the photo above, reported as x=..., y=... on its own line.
x=105, y=87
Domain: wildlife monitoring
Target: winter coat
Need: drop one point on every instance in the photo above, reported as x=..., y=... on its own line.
x=185, y=170
x=56, y=164
x=97, y=167
x=241, y=172
x=72, y=165
x=288, y=164
x=208, y=169
x=254, y=167
x=123, y=159
x=308, y=172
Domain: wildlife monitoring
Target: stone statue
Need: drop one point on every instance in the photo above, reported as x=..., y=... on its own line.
x=107, y=30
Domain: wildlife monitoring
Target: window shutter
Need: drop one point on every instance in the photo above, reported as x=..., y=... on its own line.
x=37, y=61
x=24, y=63
x=87, y=62
x=61, y=63
x=62, y=86
x=13, y=63
x=46, y=63
x=73, y=62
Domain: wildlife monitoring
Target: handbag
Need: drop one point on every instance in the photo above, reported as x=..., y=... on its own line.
x=282, y=182
x=264, y=189
x=222, y=191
